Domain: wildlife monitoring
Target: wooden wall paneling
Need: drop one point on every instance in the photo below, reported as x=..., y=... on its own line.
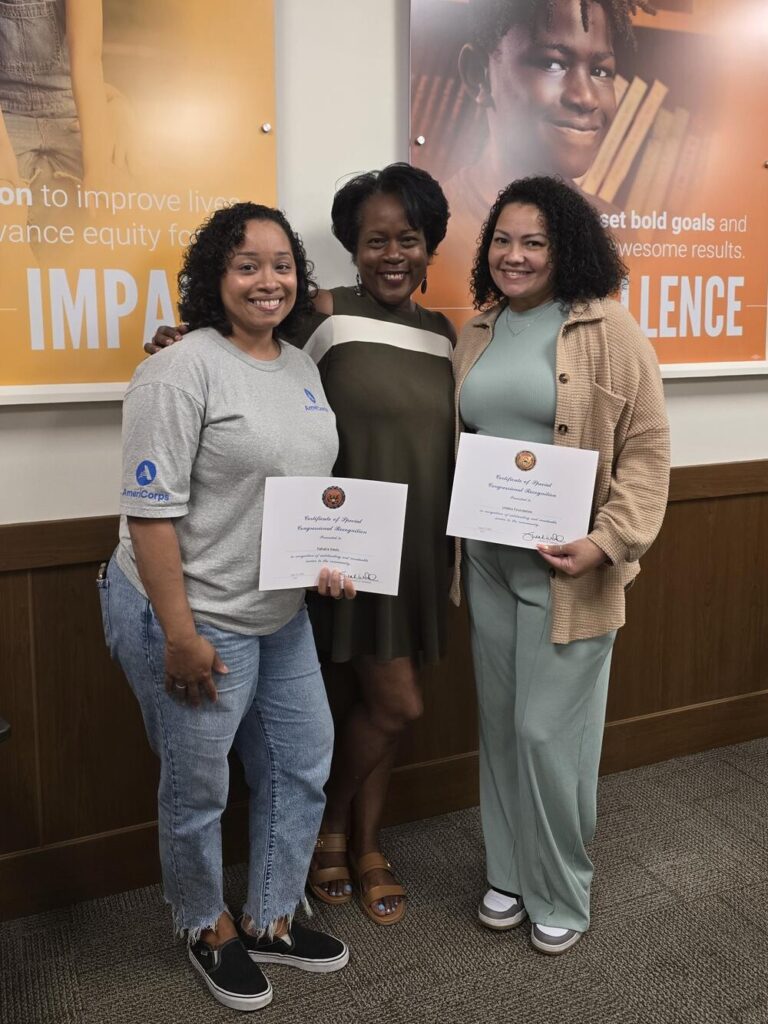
x=637, y=741
x=449, y=725
x=432, y=787
x=97, y=770
x=718, y=480
x=697, y=618
x=19, y=792
x=64, y=873
x=738, y=662
x=637, y=667
x=61, y=542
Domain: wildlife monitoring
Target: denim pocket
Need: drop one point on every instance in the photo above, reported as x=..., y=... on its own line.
x=31, y=38
x=102, y=585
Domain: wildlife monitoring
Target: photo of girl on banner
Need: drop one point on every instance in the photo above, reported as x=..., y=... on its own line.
x=60, y=123
x=123, y=123
x=625, y=101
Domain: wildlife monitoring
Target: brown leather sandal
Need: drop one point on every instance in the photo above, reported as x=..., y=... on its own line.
x=367, y=897
x=329, y=842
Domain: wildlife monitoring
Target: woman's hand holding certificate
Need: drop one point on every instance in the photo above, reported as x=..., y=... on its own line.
x=574, y=558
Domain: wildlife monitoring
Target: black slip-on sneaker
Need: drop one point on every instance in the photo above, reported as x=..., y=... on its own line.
x=553, y=944
x=230, y=974
x=491, y=914
x=300, y=947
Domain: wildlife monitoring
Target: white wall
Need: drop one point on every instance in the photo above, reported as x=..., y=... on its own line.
x=342, y=88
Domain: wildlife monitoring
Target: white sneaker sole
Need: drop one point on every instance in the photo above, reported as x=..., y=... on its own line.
x=561, y=947
x=303, y=964
x=230, y=999
x=503, y=924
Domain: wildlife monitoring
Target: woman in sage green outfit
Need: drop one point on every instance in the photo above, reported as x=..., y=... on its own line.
x=551, y=358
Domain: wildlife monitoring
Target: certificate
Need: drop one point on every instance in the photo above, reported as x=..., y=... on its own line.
x=521, y=493
x=355, y=526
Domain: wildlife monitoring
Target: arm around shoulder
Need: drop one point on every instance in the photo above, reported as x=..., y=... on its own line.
x=323, y=302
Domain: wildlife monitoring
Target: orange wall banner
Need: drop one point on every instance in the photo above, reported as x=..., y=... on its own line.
x=123, y=125
x=664, y=133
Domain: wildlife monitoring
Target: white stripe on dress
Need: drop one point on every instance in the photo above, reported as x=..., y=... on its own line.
x=339, y=329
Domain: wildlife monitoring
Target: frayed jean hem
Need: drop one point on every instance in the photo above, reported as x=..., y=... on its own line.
x=192, y=932
x=267, y=931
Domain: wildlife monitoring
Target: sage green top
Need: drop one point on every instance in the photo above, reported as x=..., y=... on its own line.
x=511, y=389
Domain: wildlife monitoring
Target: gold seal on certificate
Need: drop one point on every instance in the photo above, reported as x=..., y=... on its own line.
x=333, y=497
x=525, y=460
x=352, y=525
x=520, y=493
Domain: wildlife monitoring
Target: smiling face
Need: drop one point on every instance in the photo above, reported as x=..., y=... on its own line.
x=391, y=255
x=552, y=92
x=520, y=257
x=258, y=288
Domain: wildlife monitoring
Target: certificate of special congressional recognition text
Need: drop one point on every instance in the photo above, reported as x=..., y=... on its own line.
x=355, y=526
x=521, y=493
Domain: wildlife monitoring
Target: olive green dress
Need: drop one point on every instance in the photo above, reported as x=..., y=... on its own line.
x=387, y=376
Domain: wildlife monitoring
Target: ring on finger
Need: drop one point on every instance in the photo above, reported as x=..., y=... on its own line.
x=180, y=686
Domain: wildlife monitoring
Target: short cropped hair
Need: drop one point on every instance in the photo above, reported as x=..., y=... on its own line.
x=205, y=262
x=585, y=260
x=424, y=202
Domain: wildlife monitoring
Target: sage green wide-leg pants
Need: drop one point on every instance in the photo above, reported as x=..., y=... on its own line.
x=542, y=712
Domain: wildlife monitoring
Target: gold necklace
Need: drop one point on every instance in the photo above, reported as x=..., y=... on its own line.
x=515, y=332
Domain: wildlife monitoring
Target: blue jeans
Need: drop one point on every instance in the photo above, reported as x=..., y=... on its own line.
x=272, y=708
x=49, y=154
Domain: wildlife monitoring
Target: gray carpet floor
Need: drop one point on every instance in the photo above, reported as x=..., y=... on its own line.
x=679, y=931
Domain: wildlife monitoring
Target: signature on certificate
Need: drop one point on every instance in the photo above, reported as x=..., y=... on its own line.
x=546, y=537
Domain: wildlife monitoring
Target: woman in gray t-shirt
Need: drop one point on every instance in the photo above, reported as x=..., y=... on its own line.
x=214, y=662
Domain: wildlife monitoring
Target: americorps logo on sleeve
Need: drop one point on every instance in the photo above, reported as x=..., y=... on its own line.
x=314, y=407
x=146, y=471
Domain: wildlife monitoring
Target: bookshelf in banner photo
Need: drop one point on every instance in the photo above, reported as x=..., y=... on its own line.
x=653, y=152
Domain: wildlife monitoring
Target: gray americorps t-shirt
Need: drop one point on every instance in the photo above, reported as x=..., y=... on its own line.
x=203, y=425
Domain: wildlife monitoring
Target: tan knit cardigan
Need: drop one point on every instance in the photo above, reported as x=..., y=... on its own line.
x=609, y=399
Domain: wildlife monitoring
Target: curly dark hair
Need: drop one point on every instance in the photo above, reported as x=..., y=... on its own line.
x=492, y=19
x=585, y=260
x=424, y=202
x=205, y=262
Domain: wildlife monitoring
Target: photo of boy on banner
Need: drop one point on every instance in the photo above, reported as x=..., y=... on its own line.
x=544, y=76
x=634, y=103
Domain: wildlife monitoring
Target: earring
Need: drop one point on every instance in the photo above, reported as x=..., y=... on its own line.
x=358, y=286
x=424, y=285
